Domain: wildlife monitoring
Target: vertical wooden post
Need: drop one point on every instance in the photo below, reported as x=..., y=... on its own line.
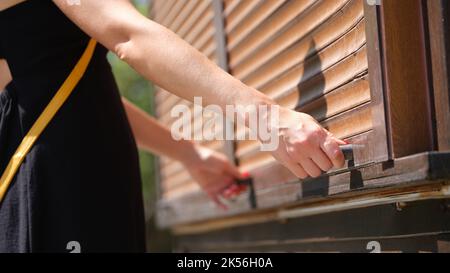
x=220, y=35
x=222, y=55
x=407, y=78
x=439, y=35
x=380, y=140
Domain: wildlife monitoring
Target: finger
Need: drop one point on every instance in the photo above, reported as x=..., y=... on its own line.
x=234, y=190
x=340, y=141
x=235, y=193
x=284, y=158
x=321, y=160
x=222, y=184
x=245, y=175
x=230, y=191
x=217, y=201
x=296, y=169
x=306, y=163
x=243, y=188
x=331, y=149
x=310, y=167
x=233, y=171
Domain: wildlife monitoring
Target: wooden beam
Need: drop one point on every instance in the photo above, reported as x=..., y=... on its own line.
x=395, y=228
x=439, y=36
x=381, y=151
x=222, y=52
x=407, y=77
x=374, y=180
x=397, y=196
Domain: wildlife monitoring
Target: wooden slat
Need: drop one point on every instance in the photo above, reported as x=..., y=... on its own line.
x=235, y=17
x=272, y=31
x=267, y=29
x=187, y=189
x=161, y=95
x=342, y=25
x=202, y=9
x=165, y=9
x=321, y=83
x=202, y=24
x=172, y=168
x=321, y=37
x=207, y=35
x=173, y=13
x=226, y=3
x=176, y=180
x=157, y=4
x=230, y=6
x=353, y=94
x=252, y=21
x=211, y=51
x=184, y=14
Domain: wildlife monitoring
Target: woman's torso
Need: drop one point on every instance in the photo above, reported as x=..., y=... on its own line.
x=81, y=181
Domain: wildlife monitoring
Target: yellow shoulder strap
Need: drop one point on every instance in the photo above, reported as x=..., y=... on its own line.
x=47, y=115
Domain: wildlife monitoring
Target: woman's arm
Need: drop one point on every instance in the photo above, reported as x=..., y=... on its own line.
x=5, y=74
x=162, y=57
x=153, y=137
x=211, y=170
x=158, y=54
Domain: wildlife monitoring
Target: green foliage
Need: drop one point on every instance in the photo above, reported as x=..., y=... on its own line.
x=141, y=93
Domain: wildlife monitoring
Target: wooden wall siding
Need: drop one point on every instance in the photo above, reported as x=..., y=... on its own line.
x=192, y=20
x=310, y=56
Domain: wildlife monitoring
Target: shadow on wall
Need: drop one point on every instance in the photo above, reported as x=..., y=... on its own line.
x=313, y=80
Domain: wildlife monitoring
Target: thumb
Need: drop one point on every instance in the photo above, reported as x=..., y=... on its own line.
x=233, y=171
x=339, y=141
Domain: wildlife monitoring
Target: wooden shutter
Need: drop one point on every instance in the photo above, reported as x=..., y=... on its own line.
x=180, y=198
x=309, y=55
x=193, y=21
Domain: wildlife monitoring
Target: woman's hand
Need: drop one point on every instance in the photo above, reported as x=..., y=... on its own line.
x=214, y=173
x=305, y=147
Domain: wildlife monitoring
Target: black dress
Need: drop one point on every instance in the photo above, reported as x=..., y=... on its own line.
x=80, y=182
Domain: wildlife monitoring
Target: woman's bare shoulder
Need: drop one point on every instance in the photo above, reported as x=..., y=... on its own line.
x=5, y=4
